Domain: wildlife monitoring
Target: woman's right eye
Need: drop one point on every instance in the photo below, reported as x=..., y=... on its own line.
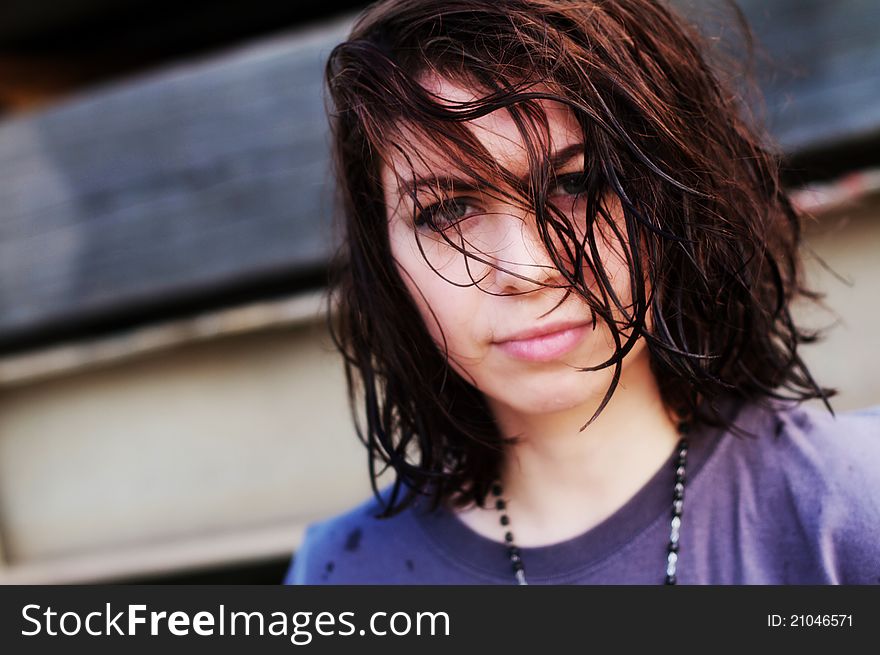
x=443, y=214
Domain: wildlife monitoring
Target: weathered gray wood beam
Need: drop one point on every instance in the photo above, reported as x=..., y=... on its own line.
x=821, y=72
x=170, y=185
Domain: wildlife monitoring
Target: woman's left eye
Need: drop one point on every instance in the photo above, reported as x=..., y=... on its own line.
x=572, y=184
x=444, y=213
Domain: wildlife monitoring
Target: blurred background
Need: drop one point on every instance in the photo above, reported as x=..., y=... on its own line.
x=171, y=408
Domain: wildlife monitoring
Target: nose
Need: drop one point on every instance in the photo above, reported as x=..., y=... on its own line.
x=521, y=261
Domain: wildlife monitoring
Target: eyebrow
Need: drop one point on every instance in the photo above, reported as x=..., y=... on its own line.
x=408, y=188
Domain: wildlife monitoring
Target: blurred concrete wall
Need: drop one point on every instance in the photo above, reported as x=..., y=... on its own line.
x=199, y=452
x=848, y=240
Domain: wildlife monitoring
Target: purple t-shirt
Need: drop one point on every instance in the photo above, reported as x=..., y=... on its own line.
x=800, y=504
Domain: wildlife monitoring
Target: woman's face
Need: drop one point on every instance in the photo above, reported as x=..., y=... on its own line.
x=498, y=333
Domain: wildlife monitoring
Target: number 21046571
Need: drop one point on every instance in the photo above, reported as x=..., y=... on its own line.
x=809, y=620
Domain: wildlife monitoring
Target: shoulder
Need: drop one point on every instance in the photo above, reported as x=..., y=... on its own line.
x=840, y=450
x=352, y=546
x=818, y=474
x=808, y=442
x=831, y=460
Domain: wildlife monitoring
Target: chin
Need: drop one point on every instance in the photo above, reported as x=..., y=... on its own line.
x=550, y=399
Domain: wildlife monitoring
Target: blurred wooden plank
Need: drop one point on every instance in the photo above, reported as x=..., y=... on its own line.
x=85, y=354
x=824, y=89
x=818, y=65
x=170, y=186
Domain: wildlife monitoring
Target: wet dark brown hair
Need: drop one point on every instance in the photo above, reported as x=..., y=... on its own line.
x=711, y=240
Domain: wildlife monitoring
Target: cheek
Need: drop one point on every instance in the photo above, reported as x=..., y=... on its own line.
x=425, y=296
x=450, y=316
x=448, y=311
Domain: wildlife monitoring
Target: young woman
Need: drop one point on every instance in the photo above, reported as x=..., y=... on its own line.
x=564, y=306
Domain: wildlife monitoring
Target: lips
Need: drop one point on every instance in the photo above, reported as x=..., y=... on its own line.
x=545, y=343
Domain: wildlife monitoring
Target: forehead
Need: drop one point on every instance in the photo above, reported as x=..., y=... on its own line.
x=497, y=132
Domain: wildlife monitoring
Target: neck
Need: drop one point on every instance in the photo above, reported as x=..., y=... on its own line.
x=560, y=481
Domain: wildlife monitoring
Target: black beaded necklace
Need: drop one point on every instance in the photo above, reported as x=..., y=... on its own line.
x=515, y=555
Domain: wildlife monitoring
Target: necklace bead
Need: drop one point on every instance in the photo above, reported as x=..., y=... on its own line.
x=672, y=549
